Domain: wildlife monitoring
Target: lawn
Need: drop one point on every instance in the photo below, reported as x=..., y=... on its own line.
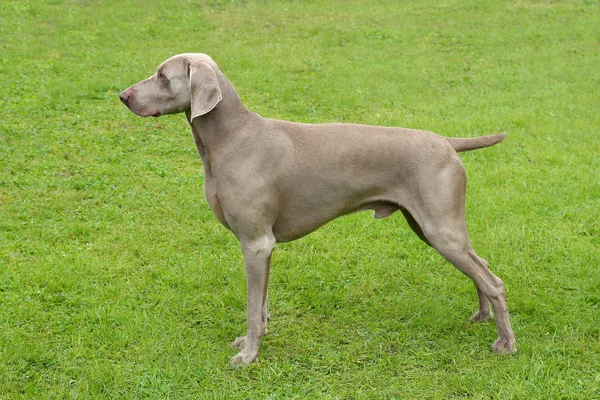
x=117, y=282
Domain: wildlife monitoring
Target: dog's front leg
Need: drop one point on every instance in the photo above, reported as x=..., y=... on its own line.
x=257, y=257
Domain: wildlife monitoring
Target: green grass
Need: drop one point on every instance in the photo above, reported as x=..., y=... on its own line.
x=117, y=282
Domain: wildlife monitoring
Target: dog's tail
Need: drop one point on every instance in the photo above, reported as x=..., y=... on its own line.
x=466, y=144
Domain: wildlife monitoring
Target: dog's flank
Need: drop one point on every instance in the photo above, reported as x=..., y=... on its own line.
x=270, y=181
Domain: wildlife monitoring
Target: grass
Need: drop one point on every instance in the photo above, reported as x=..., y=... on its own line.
x=117, y=282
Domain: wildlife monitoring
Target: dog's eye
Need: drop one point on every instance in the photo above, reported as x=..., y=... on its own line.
x=161, y=76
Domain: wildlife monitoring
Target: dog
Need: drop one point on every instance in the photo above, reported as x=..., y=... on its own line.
x=270, y=181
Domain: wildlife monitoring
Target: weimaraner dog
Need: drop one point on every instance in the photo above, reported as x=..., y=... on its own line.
x=272, y=181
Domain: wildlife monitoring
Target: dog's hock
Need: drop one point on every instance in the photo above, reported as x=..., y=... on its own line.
x=204, y=89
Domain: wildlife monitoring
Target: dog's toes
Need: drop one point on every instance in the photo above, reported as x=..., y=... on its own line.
x=243, y=358
x=239, y=343
x=480, y=316
x=505, y=346
x=248, y=351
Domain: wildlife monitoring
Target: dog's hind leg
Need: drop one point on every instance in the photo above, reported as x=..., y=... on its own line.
x=484, y=313
x=440, y=216
x=415, y=226
x=457, y=249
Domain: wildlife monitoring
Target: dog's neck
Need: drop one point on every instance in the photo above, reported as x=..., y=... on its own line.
x=214, y=129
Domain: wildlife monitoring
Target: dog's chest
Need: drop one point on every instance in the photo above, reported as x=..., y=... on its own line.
x=211, y=194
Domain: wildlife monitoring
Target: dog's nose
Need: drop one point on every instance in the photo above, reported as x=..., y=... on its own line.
x=124, y=96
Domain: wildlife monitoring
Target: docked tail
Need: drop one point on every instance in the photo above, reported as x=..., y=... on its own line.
x=466, y=144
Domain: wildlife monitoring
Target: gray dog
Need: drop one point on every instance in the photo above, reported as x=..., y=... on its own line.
x=272, y=181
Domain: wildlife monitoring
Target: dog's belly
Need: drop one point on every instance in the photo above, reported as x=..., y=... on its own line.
x=298, y=219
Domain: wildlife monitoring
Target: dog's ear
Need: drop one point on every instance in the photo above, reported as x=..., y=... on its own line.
x=204, y=88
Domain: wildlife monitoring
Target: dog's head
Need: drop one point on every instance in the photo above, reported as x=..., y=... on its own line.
x=183, y=82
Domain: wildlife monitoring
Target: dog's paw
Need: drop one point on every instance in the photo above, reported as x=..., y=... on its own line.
x=480, y=316
x=239, y=343
x=505, y=346
x=243, y=358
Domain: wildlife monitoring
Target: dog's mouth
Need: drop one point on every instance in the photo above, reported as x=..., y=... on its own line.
x=139, y=108
x=144, y=112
